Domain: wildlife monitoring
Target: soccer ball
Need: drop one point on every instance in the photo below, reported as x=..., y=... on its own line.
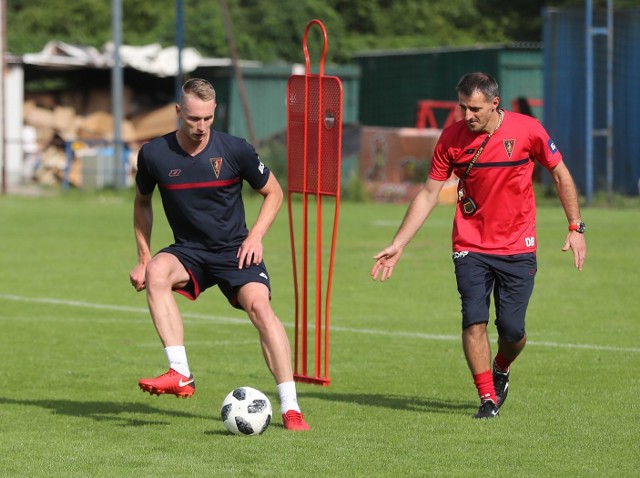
x=246, y=411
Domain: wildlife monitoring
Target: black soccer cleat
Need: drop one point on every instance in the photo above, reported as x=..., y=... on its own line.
x=500, y=384
x=488, y=409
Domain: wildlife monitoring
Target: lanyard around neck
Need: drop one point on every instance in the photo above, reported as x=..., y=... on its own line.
x=481, y=148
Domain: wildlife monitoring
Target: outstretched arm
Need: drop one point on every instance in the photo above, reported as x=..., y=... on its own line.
x=569, y=199
x=417, y=213
x=251, y=249
x=142, y=225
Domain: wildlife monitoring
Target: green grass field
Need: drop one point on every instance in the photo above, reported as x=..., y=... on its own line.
x=76, y=337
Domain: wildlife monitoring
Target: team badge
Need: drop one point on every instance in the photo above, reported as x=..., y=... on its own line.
x=216, y=164
x=508, y=146
x=174, y=173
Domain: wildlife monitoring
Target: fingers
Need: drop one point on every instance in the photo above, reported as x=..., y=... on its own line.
x=375, y=270
x=387, y=272
x=246, y=257
x=138, y=285
x=578, y=258
x=385, y=262
x=379, y=267
x=137, y=281
x=577, y=245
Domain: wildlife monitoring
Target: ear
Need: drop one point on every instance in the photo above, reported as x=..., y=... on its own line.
x=496, y=102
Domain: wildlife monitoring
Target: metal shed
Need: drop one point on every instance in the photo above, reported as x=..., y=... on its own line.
x=266, y=91
x=394, y=81
x=566, y=96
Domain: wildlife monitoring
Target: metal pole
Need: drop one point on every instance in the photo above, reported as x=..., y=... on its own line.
x=180, y=46
x=226, y=19
x=610, y=101
x=589, y=105
x=607, y=131
x=116, y=94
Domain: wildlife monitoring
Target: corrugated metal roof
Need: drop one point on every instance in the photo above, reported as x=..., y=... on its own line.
x=152, y=59
x=448, y=49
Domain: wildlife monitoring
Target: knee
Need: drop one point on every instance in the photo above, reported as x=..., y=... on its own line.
x=156, y=276
x=511, y=332
x=261, y=314
x=478, y=330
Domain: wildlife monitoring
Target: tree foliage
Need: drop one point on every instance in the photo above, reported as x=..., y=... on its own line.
x=272, y=30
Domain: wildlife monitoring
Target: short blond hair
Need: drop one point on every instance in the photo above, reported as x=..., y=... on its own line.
x=199, y=88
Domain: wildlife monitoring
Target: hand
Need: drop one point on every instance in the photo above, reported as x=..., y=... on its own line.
x=137, y=276
x=250, y=252
x=576, y=242
x=385, y=262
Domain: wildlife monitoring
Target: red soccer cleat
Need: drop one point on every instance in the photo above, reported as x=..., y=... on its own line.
x=171, y=382
x=293, y=420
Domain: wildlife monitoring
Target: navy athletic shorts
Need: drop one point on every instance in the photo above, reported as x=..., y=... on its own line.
x=208, y=269
x=510, y=278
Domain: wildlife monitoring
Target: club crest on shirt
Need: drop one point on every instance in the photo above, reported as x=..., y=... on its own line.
x=216, y=164
x=508, y=146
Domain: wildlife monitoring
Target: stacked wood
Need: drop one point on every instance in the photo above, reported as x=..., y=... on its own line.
x=69, y=124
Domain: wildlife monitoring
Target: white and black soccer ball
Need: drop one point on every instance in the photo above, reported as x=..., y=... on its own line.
x=246, y=411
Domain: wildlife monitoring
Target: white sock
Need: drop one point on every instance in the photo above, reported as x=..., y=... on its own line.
x=177, y=357
x=288, y=397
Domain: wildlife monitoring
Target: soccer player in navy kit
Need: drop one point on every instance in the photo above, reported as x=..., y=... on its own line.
x=492, y=151
x=199, y=172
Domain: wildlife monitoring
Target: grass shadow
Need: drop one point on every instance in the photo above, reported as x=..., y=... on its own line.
x=104, y=411
x=394, y=402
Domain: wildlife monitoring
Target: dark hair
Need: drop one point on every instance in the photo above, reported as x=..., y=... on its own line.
x=478, y=81
x=199, y=88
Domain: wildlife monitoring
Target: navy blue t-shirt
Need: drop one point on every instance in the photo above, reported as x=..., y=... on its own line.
x=202, y=195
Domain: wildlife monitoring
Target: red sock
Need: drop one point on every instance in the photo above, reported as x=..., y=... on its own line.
x=502, y=362
x=484, y=384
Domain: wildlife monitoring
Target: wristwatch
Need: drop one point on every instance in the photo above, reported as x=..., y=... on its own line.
x=578, y=227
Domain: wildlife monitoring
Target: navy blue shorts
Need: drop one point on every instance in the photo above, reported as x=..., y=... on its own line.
x=510, y=278
x=207, y=269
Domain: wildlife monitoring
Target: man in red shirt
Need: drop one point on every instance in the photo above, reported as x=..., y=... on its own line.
x=492, y=151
